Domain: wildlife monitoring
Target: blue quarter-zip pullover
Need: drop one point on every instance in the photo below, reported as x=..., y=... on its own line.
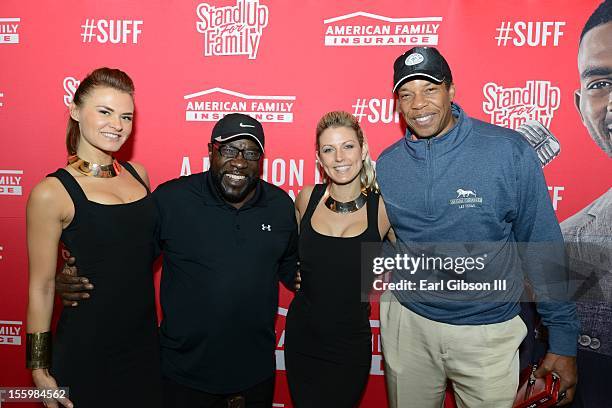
x=423, y=183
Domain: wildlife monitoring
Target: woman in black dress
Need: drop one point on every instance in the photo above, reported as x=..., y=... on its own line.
x=328, y=347
x=106, y=351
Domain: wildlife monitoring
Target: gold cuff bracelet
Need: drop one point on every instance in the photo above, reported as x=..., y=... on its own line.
x=38, y=350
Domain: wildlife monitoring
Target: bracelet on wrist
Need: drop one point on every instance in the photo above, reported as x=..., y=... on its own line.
x=38, y=350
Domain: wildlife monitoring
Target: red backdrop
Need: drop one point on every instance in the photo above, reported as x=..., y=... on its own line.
x=287, y=63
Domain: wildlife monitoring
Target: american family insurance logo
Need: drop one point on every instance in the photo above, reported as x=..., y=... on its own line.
x=366, y=29
x=9, y=30
x=70, y=85
x=213, y=104
x=232, y=30
x=10, y=332
x=511, y=107
x=10, y=182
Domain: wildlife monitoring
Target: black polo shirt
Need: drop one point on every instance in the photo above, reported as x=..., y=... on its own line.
x=219, y=284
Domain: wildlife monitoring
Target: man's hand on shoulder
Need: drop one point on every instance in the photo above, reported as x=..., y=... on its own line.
x=565, y=368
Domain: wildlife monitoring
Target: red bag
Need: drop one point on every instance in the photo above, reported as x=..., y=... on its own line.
x=537, y=392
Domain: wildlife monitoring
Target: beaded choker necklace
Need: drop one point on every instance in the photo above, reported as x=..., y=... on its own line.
x=347, y=207
x=94, y=169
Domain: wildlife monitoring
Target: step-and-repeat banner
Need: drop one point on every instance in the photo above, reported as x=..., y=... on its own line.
x=286, y=63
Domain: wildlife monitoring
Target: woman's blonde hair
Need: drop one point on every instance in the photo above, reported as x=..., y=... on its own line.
x=367, y=175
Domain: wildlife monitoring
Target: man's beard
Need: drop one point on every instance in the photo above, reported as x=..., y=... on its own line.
x=232, y=195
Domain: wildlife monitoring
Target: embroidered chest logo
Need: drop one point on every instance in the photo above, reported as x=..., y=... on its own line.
x=266, y=227
x=466, y=198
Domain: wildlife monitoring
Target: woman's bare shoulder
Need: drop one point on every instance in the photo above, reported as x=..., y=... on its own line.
x=301, y=201
x=49, y=194
x=142, y=172
x=47, y=190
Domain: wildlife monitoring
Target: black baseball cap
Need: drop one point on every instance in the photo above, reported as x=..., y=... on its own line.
x=421, y=62
x=238, y=125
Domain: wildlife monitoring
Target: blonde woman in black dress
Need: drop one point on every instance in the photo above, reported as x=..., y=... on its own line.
x=328, y=345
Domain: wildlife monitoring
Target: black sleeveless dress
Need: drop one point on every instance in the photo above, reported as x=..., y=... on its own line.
x=106, y=350
x=328, y=341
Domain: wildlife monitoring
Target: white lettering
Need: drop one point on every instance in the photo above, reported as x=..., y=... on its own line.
x=556, y=195
x=232, y=30
x=537, y=33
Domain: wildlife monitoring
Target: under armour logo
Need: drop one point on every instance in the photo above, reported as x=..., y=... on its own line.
x=265, y=227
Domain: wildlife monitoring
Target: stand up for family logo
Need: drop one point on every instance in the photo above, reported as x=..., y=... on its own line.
x=232, y=30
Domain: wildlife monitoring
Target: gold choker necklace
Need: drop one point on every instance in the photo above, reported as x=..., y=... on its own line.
x=348, y=207
x=93, y=169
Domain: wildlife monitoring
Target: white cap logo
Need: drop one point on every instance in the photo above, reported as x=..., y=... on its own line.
x=414, y=59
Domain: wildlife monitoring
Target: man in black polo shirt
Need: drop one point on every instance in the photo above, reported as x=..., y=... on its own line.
x=227, y=238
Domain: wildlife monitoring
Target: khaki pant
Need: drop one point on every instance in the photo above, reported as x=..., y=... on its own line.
x=482, y=361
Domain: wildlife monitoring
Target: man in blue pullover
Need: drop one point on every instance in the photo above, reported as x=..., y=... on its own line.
x=455, y=179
